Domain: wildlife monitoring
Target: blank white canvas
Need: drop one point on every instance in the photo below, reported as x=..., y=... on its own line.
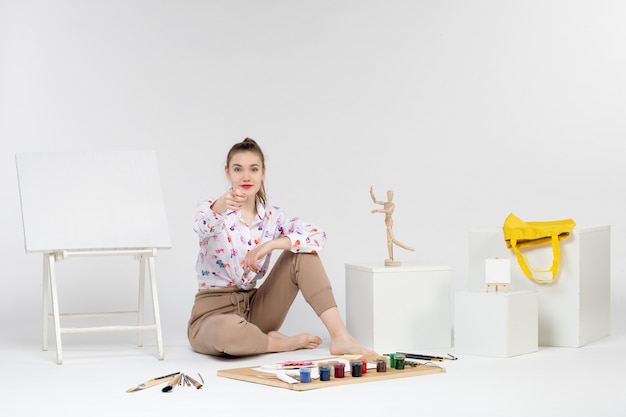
x=91, y=200
x=497, y=271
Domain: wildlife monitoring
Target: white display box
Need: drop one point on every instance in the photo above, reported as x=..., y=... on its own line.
x=575, y=309
x=495, y=324
x=399, y=308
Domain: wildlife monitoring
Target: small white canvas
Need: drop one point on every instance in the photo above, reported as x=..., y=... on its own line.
x=497, y=271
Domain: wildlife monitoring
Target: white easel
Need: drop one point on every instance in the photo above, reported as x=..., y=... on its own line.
x=118, y=195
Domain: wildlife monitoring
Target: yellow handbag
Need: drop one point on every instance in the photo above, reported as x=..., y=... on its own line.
x=519, y=234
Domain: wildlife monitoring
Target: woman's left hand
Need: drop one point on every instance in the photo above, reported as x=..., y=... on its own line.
x=251, y=261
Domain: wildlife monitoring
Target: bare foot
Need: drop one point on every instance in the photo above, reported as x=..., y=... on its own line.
x=279, y=342
x=349, y=345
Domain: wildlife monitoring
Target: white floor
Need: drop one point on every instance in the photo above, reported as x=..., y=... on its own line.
x=587, y=381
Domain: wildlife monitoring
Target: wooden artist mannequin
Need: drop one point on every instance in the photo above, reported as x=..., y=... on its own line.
x=388, y=208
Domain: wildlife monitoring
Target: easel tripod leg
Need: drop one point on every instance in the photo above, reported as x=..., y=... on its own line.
x=45, y=303
x=55, y=307
x=140, y=301
x=155, y=306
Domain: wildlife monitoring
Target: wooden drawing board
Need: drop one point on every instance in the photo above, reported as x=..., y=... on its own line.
x=253, y=374
x=91, y=200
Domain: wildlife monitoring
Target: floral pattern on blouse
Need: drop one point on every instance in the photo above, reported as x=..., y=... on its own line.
x=225, y=238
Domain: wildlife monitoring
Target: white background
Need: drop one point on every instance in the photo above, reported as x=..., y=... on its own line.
x=468, y=110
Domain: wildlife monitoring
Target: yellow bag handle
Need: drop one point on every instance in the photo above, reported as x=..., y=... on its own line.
x=518, y=233
x=522, y=260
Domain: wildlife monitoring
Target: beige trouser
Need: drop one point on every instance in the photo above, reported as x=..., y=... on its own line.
x=229, y=321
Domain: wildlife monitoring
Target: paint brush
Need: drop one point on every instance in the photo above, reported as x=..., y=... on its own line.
x=152, y=382
x=192, y=381
x=428, y=357
x=173, y=382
